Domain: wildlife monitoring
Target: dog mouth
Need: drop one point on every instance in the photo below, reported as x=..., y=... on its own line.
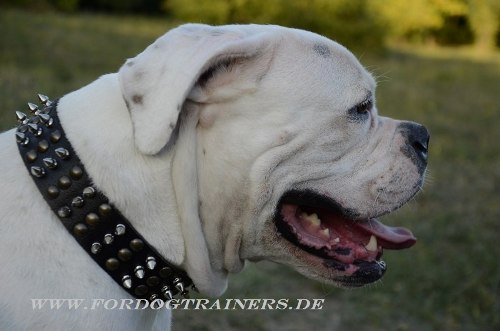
x=321, y=228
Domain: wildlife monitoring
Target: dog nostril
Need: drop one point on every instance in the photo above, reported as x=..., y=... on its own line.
x=420, y=142
x=421, y=148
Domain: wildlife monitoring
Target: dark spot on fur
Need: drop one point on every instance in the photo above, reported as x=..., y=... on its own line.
x=322, y=50
x=179, y=107
x=204, y=151
x=130, y=63
x=172, y=125
x=137, y=99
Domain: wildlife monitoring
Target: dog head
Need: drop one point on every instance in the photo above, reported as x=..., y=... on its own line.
x=279, y=144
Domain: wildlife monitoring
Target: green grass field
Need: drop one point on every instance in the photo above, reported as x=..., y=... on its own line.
x=449, y=281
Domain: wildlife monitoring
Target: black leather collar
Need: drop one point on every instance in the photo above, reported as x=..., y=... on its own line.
x=102, y=231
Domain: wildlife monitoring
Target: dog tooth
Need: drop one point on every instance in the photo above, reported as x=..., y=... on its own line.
x=372, y=245
x=311, y=219
x=325, y=232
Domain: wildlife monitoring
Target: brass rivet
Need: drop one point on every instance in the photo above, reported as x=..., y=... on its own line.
x=92, y=219
x=55, y=136
x=104, y=209
x=53, y=192
x=153, y=281
x=43, y=146
x=136, y=244
x=76, y=172
x=64, y=182
x=165, y=272
x=112, y=264
x=31, y=156
x=125, y=254
x=80, y=230
x=141, y=290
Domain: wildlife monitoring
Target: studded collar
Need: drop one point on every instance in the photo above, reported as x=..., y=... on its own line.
x=102, y=231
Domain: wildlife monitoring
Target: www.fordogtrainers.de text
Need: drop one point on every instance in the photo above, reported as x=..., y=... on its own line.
x=194, y=304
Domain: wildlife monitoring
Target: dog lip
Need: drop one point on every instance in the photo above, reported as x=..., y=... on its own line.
x=367, y=272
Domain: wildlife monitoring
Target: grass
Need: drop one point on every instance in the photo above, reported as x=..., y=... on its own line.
x=449, y=281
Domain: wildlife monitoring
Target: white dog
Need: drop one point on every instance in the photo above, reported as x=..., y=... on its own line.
x=219, y=145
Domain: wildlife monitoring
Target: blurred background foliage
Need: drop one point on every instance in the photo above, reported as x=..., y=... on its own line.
x=355, y=23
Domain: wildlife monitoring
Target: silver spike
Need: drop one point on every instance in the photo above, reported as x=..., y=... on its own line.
x=22, y=139
x=37, y=171
x=44, y=99
x=155, y=302
x=120, y=229
x=35, y=129
x=62, y=153
x=44, y=118
x=21, y=117
x=33, y=108
x=77, y=202
x=151, y=262
x=108, y=238
x=88, y=192
x=23, y=127
x=127, y=281
x=95, y=248
x=64, y=212
x=34, y=119
x=165, y=290
x=139, y=271
x=50, y=162
x=179, y=285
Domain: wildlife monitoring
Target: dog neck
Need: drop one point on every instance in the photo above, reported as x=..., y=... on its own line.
x=96, y=224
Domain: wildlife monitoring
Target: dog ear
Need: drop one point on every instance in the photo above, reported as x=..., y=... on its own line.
x=184, y=61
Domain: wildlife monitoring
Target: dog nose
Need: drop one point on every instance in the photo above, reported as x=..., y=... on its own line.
x=418, y=138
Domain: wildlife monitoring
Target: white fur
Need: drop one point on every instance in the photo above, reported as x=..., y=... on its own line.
x=205, y=197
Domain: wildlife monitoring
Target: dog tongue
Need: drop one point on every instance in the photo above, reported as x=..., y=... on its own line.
x=388, y=237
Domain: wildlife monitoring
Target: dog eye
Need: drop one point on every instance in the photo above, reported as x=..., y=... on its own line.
x=360, y=113
x=364, y=107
